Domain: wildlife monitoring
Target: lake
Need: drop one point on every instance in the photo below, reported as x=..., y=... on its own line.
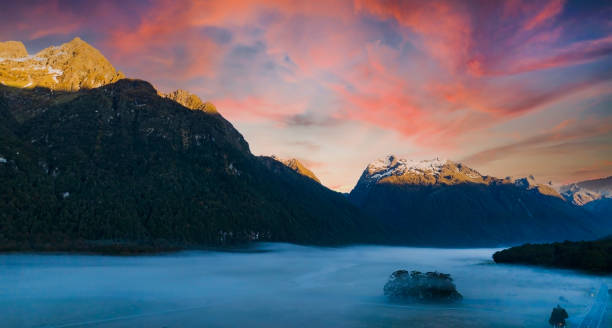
x=279, y=285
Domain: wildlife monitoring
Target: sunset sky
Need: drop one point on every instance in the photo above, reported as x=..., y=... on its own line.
x=509, y=88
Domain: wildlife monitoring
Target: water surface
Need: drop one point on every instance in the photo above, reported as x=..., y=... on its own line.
x=280, y=286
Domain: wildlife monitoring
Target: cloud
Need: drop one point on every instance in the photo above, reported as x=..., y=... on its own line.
x=307, y=119
x=552, y=9
x=434, y=76
x=257, y=109
x=563, y=135
x=309, y=146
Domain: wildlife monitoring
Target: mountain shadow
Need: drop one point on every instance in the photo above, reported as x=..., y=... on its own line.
x=122, y=163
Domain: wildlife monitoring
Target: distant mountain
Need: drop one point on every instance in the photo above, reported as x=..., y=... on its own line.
x=594, y=196
x=440, y=202
x=578, y=195
x=601, y=207
x=602, y=186
x=123, y=163
x=583, y=192
x=298, y=167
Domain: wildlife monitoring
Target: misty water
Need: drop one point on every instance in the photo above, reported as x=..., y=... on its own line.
x=279, y=285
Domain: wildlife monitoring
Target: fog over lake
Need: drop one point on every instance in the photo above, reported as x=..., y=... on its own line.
x=279, y=285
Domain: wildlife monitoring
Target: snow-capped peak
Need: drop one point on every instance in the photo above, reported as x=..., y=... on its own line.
x=392, y=165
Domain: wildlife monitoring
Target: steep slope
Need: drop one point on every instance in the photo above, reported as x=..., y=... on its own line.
x=122, y=163
x=85, y=164
x=441, y=202
x=601, y=207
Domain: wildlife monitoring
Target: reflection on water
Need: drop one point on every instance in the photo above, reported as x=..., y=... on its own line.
x=288, y=286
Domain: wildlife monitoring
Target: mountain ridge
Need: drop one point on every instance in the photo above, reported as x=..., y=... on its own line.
x=124, y=163
x=443, y=203
x=297, y=166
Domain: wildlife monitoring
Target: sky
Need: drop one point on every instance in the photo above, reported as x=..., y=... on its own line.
x=510, y=88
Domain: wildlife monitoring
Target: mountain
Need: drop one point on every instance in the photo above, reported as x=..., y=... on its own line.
x=298, y=167
x=578, y=195
x=12, y=49
x=530, y=183
x=70, y=67
x=602, y=186
x=444, y=203
x=583, y=192
x=121, y=163
x=594, y=196
x=601, y=207
x=190, y=101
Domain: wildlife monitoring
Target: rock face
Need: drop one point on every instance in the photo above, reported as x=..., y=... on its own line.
x=444, y=203
x=530, y=183
x=190, y=101
x=12, y=49
x=414, y=286
x=298, y=167
x=70, y=67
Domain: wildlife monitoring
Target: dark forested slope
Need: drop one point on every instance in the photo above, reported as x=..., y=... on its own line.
x=594, y=256
x=122, y=163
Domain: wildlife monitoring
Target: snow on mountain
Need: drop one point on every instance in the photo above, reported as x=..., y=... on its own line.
x=578, y=195
x=393, y=166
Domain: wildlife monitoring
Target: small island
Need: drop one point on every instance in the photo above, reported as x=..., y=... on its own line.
x=414, y=286
x=590, y=256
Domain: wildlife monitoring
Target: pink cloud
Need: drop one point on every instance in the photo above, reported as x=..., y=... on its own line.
x=432, y=72
x=552, y=9
x=566, y=131
x=257, y=109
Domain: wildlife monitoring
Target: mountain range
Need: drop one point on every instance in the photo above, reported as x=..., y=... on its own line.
x=444, y=203
x=593, y=195
x=88, y=157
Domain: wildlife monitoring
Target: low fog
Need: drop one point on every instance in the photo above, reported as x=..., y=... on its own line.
x=279, y=285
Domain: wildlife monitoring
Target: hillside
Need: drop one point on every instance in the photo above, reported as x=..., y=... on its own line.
x=443, y=203
x=594, y=256
x=124, y=164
